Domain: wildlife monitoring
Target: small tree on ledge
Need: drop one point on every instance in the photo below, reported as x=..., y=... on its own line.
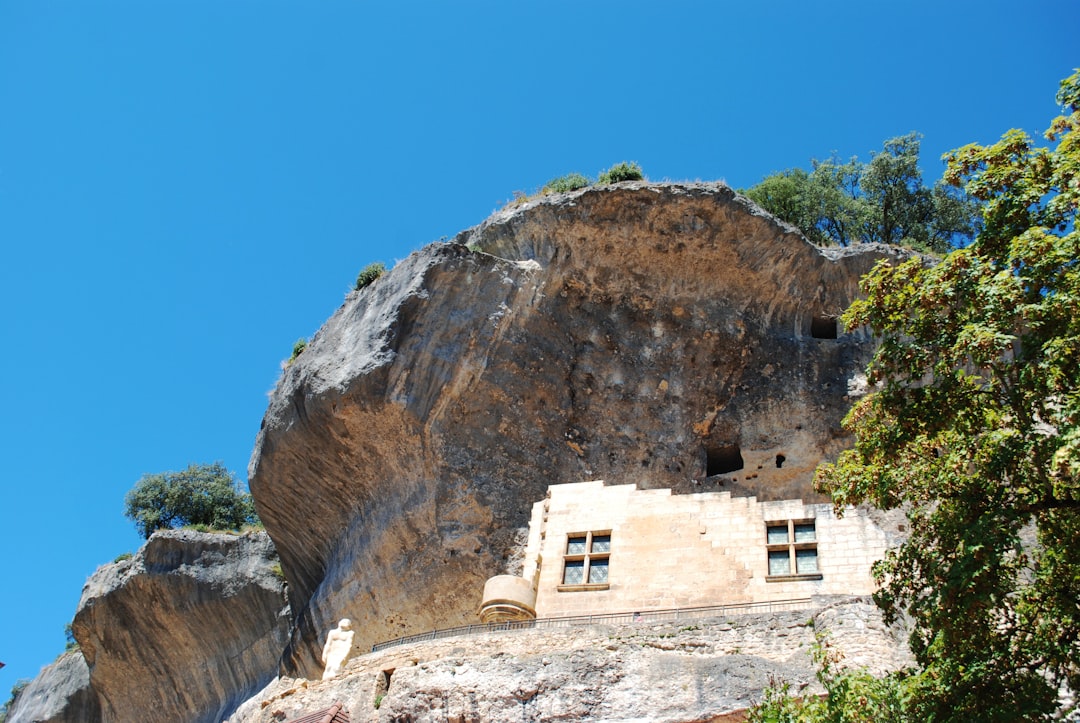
x=202, y=494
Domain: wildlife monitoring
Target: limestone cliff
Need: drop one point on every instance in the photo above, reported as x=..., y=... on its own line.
x=694, y=669
x=667, y=335
x=61, y=693
x=186, y=630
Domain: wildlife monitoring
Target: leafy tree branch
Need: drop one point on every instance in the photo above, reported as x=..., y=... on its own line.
x=973, y=427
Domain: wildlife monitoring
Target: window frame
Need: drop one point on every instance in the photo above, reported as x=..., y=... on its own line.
x=586, y=558
x=792, y=545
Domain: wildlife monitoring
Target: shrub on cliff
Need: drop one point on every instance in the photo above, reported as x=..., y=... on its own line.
x=70, y=643
x=369, y=273
x=569, y=182
x=16, y=689
x=202, y=494
x=625, y=171
x=298, y=348
x=852, y=695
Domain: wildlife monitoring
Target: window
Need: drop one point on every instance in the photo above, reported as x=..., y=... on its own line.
x=585, y=564
x=792, y=548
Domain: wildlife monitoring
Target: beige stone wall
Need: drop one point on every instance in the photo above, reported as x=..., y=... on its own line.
x=688, y=550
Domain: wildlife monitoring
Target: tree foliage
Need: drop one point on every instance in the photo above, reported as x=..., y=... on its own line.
x=852, y=695
x=202, y=494
x=973, y=428
x=884, y=201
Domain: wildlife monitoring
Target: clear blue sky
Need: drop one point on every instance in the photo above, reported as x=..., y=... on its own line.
x=188, y=186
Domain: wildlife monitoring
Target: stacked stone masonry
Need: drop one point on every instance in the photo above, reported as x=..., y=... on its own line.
x=666, y=551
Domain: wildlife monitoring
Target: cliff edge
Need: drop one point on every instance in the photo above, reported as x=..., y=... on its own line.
x=185, y=630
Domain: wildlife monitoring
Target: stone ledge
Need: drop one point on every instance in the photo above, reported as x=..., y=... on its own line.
x=585, y=587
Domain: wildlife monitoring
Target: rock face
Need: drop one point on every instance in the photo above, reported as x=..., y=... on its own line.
x=666, y=335
x=186, y=630
x=702, y=669
x=60, y=693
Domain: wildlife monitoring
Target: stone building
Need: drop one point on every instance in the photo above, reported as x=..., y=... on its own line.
x=595, y=549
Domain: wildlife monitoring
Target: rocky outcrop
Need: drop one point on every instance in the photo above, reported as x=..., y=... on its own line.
x=668, y=335
x=61, y=693
x=185, y=630
x=695, y=669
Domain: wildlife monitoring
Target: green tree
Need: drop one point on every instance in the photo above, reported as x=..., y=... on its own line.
x=973, y=428
x=202, y=494
x=883, y=201
x=823, y=203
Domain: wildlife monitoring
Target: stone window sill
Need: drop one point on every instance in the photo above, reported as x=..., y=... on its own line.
x=793, y=578
x=586, y=587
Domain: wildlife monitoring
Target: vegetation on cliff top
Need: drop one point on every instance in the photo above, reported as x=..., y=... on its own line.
x=884, y=201
x=369, y=274
x=623, y=171
x=974, y=429
x=298, y=348
x=206, y=495
x=19, y=687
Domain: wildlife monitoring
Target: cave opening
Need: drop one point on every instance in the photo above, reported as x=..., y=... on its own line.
x=823, y=327
x=721, y=460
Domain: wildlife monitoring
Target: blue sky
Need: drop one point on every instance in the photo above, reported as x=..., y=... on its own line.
x=188, y=186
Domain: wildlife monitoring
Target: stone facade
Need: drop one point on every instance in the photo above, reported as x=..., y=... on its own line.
x=594, y=549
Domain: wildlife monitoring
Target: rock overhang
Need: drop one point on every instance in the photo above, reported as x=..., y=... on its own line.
x=631, y=332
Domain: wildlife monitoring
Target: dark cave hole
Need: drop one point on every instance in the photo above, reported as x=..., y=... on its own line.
x=823, y=327
x=721, y=460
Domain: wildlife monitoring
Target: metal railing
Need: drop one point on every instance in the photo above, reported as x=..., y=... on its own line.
x=644, y=616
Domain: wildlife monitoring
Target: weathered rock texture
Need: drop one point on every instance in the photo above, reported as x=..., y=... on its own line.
x=688, y=670
x=186, y=630
x=61, y=693
x=647, y=334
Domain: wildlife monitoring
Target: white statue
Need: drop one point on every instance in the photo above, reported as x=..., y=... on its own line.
x=337, y=648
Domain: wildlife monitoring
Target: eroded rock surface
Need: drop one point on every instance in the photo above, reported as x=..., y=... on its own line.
x=61, y=693
x=701, y=669
x=186, y=630
x=667, y=335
